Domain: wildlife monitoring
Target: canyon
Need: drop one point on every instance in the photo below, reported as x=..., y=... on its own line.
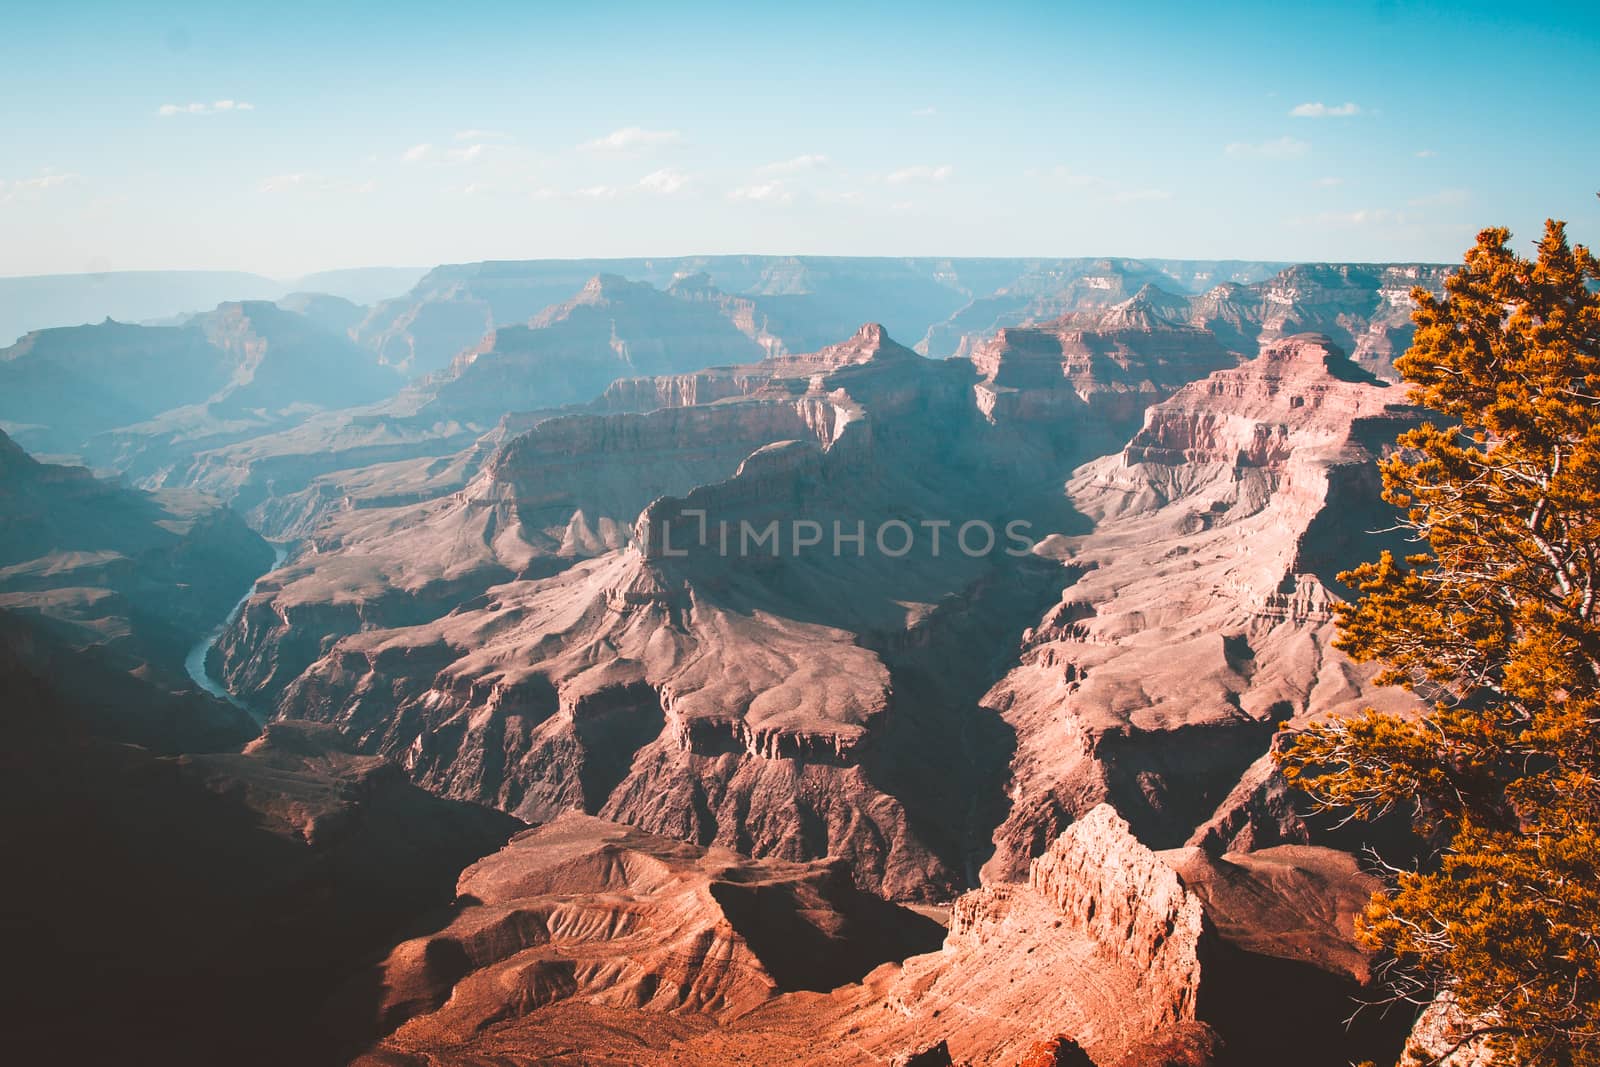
x=709, y=660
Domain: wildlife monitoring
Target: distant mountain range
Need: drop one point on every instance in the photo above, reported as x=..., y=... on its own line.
x=42, y=301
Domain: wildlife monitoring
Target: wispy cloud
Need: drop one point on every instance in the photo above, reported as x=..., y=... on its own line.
x=1329, y=183
x=664, y=182
x=314, y=183
x=1346, y=220
x=632, y=139
x=922, y=172
x=504, y=188
x=1065, y=175
x=596, y=192
x=1426, y=153
x=1278, y=148
x=1319, y=110
x=773, y=192
x=1137, y=196
x=795, y=165
x=1442, y=198
x=216, y=107
x=429, y=153
x=1099, y=187
x=924, y=112
x=41, y=183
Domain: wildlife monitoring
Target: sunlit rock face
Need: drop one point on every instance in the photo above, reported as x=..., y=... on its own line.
x=1203, y=618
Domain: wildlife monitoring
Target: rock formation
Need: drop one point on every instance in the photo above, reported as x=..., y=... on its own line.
x=238, y=370
x=585, y=911
x=138, y=577
x=1202, y=616
x=1365, y=309
x=702, y=696
x=797, y=302
x=586, y=936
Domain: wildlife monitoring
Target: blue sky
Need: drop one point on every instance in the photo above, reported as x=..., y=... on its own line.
x=283, y=138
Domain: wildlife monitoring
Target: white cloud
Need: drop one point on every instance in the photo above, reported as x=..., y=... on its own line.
x=1426, y=153
x=512, y=187
x=795, y=165
x=1443, y=198
x=482, y=135
x=924, y=112
x=280, y=183
x=922, y=172
x=1353, y=219
x=664, y=182
x=1329, y=183
x=314, y=183
x=1320, y=110
x=1065, y=175
x=1098, y=186
x=1279, y=148
x=596, y=192
x=773, y=192
x=632, y=139
x=1135, y=196
x=428, y=153
x=216, y=107
x=40, y=183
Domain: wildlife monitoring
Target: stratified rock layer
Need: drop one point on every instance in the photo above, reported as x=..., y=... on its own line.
x=584, y=941
x=1202, y=618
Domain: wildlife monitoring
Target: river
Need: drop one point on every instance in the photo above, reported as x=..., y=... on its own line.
x=195, y=662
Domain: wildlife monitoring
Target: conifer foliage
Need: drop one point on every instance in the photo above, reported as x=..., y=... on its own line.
x=1495, y=620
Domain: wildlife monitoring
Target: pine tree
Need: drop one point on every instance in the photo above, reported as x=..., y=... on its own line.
x=1497, y=624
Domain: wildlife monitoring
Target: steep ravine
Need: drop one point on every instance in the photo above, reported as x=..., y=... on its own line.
x=198, y=662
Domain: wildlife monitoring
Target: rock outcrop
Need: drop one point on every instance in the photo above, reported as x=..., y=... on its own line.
x=1364, y=308
x=582, y=911
x=1202, y=618
x=570, y=352
x=583, y=935
x=1445, y=1036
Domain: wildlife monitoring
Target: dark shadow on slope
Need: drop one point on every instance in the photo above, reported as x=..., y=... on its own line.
x=166, y=911
x=802, y=955
x=1262, y=1006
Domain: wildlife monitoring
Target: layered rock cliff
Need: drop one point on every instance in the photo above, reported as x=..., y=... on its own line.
x=1202, y=619
x=653, y=952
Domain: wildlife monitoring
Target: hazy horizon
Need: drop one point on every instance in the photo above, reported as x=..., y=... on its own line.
x=286, y=279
